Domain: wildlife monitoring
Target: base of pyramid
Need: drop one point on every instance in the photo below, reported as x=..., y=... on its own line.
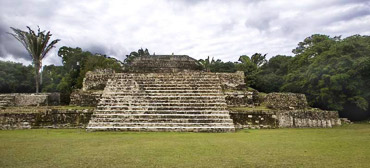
x=164, y=129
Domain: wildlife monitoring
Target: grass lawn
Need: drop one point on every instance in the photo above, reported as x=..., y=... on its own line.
x=345, y=146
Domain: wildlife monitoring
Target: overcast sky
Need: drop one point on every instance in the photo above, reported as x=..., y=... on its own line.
x=221, y=29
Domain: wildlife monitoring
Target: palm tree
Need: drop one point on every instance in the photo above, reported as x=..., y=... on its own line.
x=36, y=45
x=207, y=63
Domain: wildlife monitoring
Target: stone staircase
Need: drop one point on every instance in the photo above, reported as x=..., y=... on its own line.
x=184, y=101
x=6, y=100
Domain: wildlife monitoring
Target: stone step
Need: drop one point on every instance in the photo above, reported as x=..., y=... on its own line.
x=184, y=91
x=158, y=101
x=141, y=124
x=164, y=129
x=148, y=107
x=7, y=98
x=169, y=80
x=162, y=94
x=160, y=120
x=188, y=110
x=4, y=103
x=150, y=97
x=165, y=116
x=182, y=88
x=166, y=76
x=147, y=77
x=161, y=112
x=102, y=104
x=159, y=108
x=160, y=75
x=172, y=91
x=168, y=85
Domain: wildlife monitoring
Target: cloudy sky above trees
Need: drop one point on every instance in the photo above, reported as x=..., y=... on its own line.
x=221, y=29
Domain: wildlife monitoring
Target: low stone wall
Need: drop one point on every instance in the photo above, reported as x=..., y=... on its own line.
x=241, y=98
x=233, y=81
x=29, y=99
x=285, y=118
x=286, y=101
x=85, y=98
x=43, y=118
x=254, y=119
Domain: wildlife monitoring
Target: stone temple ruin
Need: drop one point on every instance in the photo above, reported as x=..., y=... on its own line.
x=171, y=93
x=174, y=96
x=165, y=93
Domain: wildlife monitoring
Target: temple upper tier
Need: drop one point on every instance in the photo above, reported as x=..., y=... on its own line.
x=163, y=63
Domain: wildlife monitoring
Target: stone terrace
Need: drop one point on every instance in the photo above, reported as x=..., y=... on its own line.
x=163, y=102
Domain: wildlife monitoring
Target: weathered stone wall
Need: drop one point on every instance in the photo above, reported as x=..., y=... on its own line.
x=27, y=99
x=286, y=101
x=96, y=80
x=55, y=118
x=254, y=119
x=308, y=118
x=241, y=98
x=285, y=118
x=163, y=63
x=85, y=98
x=234, y=81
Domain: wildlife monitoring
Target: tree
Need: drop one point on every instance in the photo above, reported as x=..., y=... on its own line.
x=249, y=68
x=333, y=73
x=37, y=46
x=139, y=53
x=258, y=59
x=270, y=77
x=206, y=63
x=76, y=63
x=16, y=78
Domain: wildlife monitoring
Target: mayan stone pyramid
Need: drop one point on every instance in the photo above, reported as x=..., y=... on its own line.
x=163, y=93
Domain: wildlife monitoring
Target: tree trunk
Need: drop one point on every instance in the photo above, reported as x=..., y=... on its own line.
x=37, y=78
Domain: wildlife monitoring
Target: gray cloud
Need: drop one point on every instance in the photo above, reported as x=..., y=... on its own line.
x=223, y=29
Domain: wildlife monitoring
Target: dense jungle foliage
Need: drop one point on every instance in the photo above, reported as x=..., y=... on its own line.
x=334, y=73
x=16, y=78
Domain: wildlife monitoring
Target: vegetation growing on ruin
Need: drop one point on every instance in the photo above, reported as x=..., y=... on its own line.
x=33, y=109
x=241, y=109
x=345, y=146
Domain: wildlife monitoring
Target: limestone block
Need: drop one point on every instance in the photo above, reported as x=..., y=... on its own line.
x=241, y=98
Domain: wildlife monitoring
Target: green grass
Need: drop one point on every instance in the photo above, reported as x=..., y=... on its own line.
x=241, y=109
x=346, y=146
x=32, y=109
